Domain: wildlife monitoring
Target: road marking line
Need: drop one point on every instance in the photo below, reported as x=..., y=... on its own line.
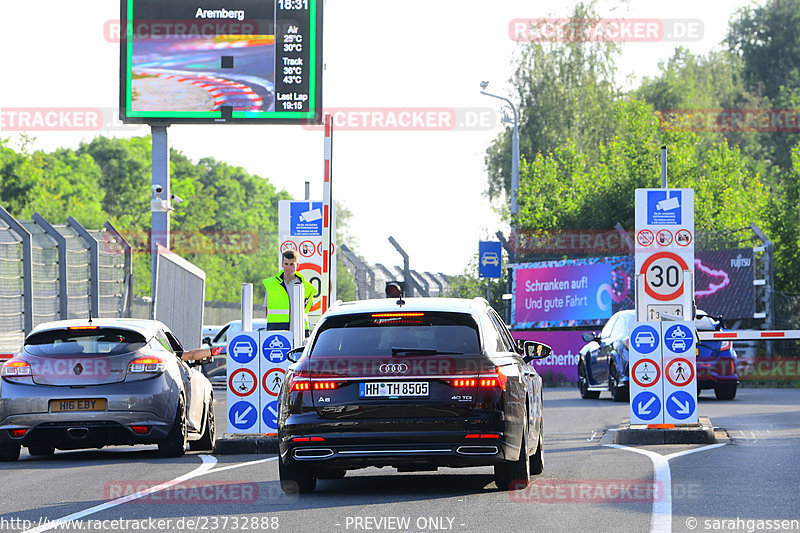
x=208, y=463
x=204, y=469
x=661, y=522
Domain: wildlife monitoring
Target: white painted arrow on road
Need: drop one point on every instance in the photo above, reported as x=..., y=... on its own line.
x=645, y=406
x=240, y=417
x=682, y=409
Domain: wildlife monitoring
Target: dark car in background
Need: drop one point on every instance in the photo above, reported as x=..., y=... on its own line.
x=81, y=384
x=415, y=385
x=716, y=360
x=603, y=361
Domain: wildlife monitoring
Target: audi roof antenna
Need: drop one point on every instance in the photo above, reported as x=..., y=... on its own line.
x=90, y=316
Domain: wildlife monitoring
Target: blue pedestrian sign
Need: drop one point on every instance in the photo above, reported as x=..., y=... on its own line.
x=489, y=259
x=275, y=348
x=680, y=405
x=679, y=338
x=243, y=349
x=243, y=415
x=645, y=339
x=646, y=405
x=664, y=208
x=270, y=415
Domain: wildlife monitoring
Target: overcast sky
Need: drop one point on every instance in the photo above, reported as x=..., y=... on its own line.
x=426, y=189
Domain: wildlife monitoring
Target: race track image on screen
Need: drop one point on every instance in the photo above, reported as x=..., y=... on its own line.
x=197, y=60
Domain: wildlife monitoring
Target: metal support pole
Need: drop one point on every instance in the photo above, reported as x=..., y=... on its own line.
x=328, y=288
x=27, y=267
x=160, y=205
x=127, y=293
x=247, y=307
x=409, y=281
x=61, y=247
x=663, y=167
x=297, y=315
x=94, y=265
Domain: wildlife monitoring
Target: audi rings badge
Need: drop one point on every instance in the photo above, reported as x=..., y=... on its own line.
x=395, y=368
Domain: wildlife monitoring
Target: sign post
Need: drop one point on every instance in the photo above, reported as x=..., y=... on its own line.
x=663, y=385
x=665, y=252
x=645, y=379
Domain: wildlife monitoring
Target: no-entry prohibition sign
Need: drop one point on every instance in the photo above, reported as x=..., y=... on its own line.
x=663, y=276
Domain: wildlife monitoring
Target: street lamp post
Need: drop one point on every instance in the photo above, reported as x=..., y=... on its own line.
x=514, y=150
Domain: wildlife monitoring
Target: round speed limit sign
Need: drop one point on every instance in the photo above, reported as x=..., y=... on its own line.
x=663, y=276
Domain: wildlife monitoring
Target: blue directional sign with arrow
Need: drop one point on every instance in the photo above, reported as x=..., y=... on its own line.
x=646, y=405
x=270, y=415
x=680, y=405
x=243, y=415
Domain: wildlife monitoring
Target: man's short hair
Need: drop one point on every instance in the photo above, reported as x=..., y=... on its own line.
x=289, y=254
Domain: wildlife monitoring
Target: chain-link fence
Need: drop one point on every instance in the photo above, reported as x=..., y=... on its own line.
x=53, y=272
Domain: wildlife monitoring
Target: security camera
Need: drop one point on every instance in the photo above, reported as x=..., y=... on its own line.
x=157, y=188
x=484, y=85
x=177, y=199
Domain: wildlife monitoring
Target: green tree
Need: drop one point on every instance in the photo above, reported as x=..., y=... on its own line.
x=767, y=39
x=565, y=90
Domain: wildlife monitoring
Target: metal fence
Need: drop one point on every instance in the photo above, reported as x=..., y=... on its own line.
x=54, y=272
x=371, y=279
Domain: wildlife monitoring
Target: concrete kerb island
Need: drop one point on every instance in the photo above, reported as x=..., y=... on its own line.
x=243, y=444
x=626, y=433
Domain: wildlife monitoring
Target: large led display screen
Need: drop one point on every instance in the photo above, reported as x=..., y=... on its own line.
x=586, y=292
x=216, y=61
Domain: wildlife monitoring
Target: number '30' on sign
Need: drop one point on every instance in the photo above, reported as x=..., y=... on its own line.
x=663, y=276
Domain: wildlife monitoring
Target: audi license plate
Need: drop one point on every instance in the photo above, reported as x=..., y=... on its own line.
x=393, y=389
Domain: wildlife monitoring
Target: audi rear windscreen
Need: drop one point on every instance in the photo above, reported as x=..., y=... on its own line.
x=398, y=334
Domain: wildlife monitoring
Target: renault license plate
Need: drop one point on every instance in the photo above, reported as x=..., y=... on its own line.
x=393, y=389
x=82, y=404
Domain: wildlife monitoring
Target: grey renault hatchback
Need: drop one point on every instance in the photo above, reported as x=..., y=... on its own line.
x=86, y=384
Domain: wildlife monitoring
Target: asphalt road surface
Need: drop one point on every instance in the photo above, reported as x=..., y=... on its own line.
x=748, y=482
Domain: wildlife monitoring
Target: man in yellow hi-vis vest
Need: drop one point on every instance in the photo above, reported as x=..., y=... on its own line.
x=276, y=297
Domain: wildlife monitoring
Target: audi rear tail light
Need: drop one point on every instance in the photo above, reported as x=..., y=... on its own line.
x=146, y=365
x=325, y=385
x=491, y=381
x=300, y=386
x=470, y=382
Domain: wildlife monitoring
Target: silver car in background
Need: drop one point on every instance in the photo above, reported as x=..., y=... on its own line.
x=86, y=384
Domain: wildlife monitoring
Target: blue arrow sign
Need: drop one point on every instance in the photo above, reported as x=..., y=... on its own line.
x=489, y=259
x=680, y=405
x=243, y=415
x=275, y=348
x=646, y=405
x=270, y=415
x=644, y=338
x=242, y=349
x=678, y=338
